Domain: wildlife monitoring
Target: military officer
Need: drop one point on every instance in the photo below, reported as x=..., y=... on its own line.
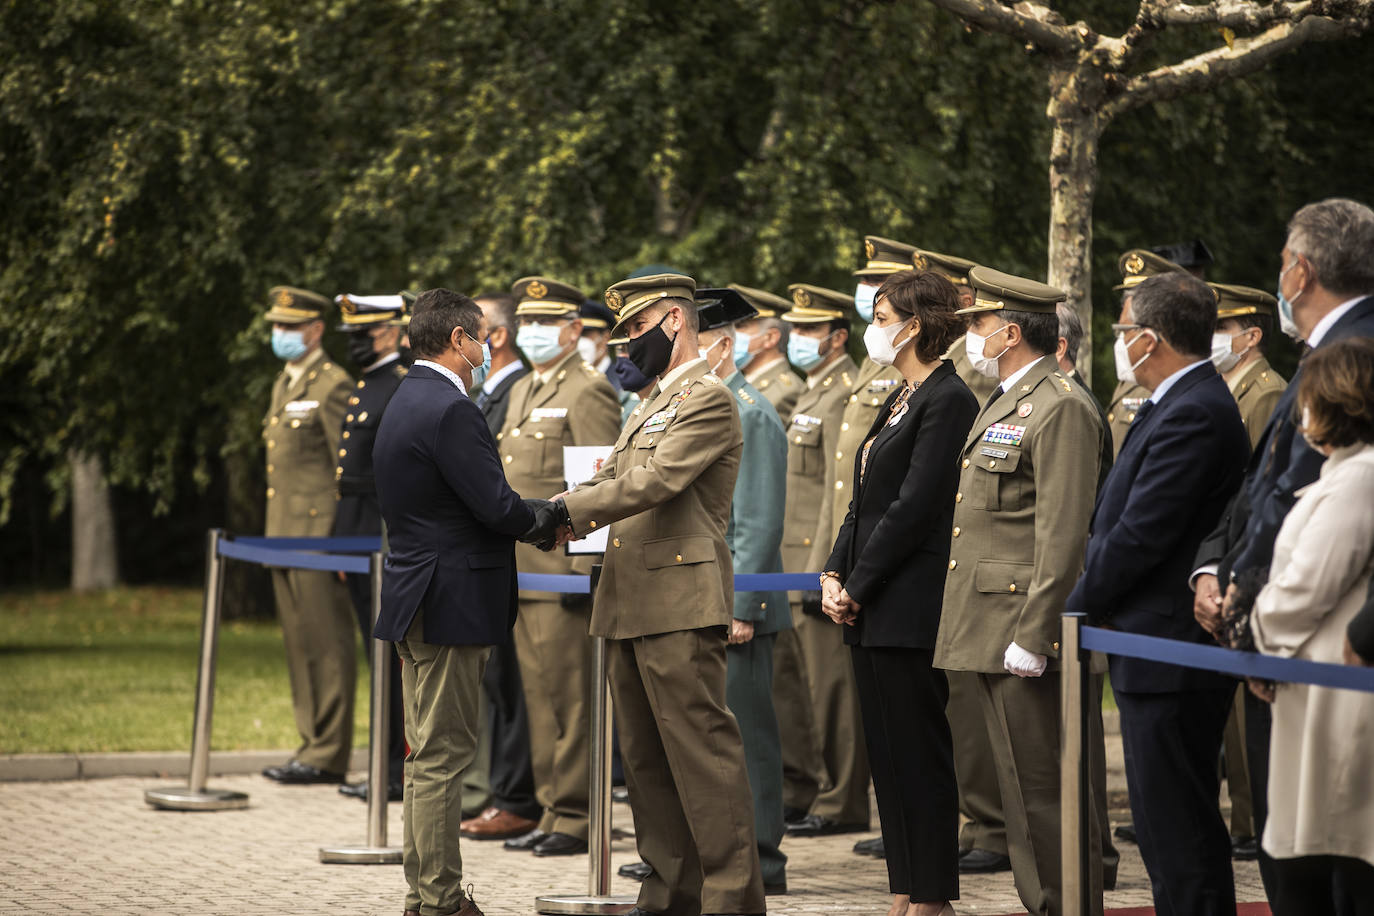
x=302, y=431
x=561, y=402
x=374, y=327
x=1026, y=492
x=665, y=603
x=595, y=342
x=820, y=323
x=1245, y=317
x=760, y=345
x=1137, y=266
x=955, y=269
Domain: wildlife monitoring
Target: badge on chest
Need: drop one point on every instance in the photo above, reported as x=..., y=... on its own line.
x=1004, y=434
x=548, y=413
x=299, y=408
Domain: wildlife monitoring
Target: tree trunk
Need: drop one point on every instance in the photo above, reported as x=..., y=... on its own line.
x=1073, y=185
x=94, y=561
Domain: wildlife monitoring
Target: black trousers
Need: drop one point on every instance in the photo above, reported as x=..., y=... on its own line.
x=1172, y=741
x=1259, y=722
x=911, y=754
x=1323, y=886
x=511, y=776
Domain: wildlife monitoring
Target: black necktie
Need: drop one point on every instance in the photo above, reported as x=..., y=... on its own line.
x=996, y=393
x=1143, y=410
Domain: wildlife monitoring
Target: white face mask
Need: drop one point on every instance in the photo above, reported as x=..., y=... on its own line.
x=1223, y=357
x=587, y=348
x=705, y=353
x=973, y=348
x=879, y=341
x=1125, y=369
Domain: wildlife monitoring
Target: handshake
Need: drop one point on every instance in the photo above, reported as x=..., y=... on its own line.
x=552, y=526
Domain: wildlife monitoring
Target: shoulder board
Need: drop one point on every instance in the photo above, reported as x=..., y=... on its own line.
x=711, y=378
x=1063, y=381
x=402, y=371
x=848, y=382
x=589, y=370
x=744, y=397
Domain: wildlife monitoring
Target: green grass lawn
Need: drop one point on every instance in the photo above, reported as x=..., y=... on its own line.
x=116, y=671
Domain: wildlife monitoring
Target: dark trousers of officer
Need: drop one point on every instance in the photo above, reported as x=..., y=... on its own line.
x=979, y=798
x=911, y=755
x=749, y=694
x=683, y=755
x=803, y=770
x=1259, y=723
x=511, y=776
x=1171, y=742
x=838, y=722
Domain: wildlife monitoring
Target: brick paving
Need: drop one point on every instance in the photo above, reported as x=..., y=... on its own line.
x=94, y=846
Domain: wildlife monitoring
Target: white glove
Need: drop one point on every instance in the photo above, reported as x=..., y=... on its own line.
x=1022, y=663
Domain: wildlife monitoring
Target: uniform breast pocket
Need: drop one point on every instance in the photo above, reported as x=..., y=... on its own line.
x=1002, y=577
x=804, y=456
x=998, y=481
x=549, y=433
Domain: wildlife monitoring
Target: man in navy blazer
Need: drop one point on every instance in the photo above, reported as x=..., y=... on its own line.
x=449, y=585
x=1182, y=459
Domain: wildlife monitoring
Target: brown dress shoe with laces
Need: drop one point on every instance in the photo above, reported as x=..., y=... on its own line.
x=496, y=824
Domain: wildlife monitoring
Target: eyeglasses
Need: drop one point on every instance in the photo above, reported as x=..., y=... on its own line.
x=1123, y=328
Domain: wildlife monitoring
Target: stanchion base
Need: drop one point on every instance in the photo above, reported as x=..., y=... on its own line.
x=206, y=800
x=583, y=903
x=360, y=855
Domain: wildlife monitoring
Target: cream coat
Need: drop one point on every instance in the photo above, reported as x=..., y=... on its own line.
x=1321, y=757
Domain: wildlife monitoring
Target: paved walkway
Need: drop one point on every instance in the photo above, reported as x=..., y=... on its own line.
x=94, y=846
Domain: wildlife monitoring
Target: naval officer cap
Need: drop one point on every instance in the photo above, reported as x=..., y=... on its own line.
x=952, y=268
x=994, y=291
x=721, y=308
x=293, y=305
x=885, y=257
x=595, y=315
x=1233, y=301
x=361, y=312
x=1139, y=265
x=633, y=295
x=816, y=304
x=1193, y=255
x=543, y=297
x=764, y=302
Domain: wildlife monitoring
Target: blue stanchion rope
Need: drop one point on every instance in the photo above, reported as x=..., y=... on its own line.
x=364, y=544
x=1228, y=661
x=293, y=559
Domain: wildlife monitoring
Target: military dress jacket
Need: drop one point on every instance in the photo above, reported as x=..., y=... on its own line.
x=812, y=435
x=1257, y=392
x=667, y=487
x=1027, y=483
x=866, y=397
x=372, y=393
x=302, y=430
x=1126, y=401
x=576, y=406
x=780, y=385
x=756, y=514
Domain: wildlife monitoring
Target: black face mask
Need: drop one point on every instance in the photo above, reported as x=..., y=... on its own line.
x=407, y=355
x=651, y=351
x=360, y=349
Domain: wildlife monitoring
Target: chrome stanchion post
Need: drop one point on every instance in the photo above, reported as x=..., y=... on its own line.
x=196, y=797
x=376, y=851
x=597, y=899
x=1075, y=807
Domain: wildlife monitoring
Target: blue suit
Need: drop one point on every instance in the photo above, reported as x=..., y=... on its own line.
x=451, y=518
x=1182, y=460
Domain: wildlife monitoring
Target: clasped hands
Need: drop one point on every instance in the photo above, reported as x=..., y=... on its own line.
x=552, y=526
x=837, y=604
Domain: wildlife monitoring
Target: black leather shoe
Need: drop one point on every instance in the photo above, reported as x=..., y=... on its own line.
x=295, y=773
x=793, y=815
x=527, y=842
x=982, y=862
x=560, y=844
x=635, y=871
x=873, y=847
x=775, y=890
x=395, y=791
x=815, y=825
x=1244, y=848
x=1126, y=833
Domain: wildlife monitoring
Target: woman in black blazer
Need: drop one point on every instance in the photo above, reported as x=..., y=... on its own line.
x=885, y=579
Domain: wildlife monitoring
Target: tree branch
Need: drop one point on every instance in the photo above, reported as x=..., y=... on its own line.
x=1213, y=67
x=1232, y=14
x=1026, y=21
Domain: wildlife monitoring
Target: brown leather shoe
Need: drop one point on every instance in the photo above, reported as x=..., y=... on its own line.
x=469, y=908
x=411, y=913
x=496, y=824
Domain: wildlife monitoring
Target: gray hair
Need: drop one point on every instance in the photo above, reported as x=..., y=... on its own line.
x=783, y=328
x=1071, y=329
x=1337, y=236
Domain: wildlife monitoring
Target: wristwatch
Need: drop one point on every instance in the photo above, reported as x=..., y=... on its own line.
x=829, y=574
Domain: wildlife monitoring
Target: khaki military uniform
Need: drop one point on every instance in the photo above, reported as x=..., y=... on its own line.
x=302, y=433
x=780, y=385
x=1126, y=401
x=835, y=741
x=1257, y=391
x=576, y=405
x=664, y=601
x=1026, y=492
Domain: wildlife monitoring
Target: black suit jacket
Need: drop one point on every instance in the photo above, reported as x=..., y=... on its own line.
x=495, y=405
x=1105, y=456
x=1181, y=462
x=1282, y=464
x=451, y=518
x=892, y=552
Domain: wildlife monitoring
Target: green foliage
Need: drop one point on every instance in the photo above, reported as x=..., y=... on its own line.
x=163, y=164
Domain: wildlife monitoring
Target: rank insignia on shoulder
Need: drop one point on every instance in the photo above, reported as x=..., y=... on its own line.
x=1004, y=434
x=744, y=397
x=1063, y=381
x=711, y=378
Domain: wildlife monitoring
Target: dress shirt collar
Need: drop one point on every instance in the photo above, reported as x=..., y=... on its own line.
x=295, y=370
x=384, y=361
x=1019, y=374
x=496, y=378
x=445, y=372
x=1163, y=387
x=1323, y=327
x=756, y=374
